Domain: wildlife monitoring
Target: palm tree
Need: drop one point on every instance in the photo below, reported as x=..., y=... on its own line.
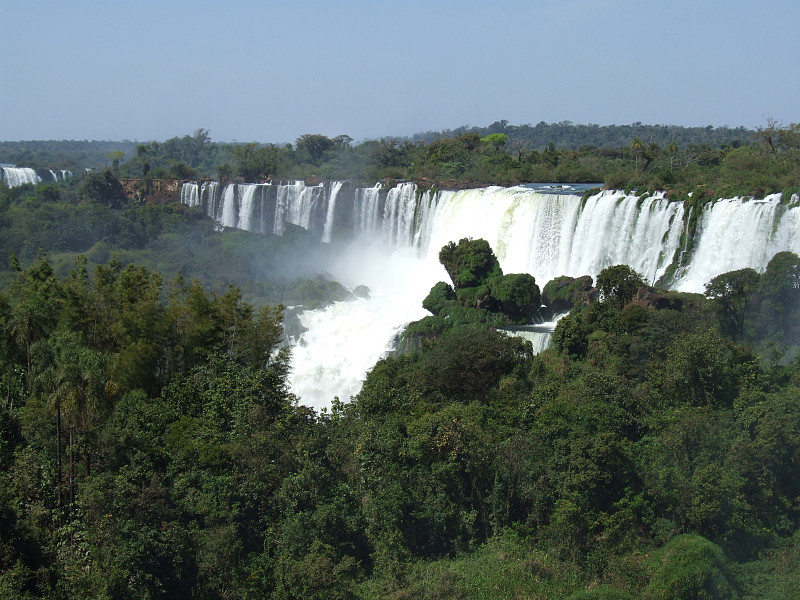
x=76, y=381
x=636, y=148
x=672, y=150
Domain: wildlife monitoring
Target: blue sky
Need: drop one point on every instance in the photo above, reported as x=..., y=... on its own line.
x=271, y=71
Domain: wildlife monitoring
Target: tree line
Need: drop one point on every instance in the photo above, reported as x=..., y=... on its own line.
x=725, y=160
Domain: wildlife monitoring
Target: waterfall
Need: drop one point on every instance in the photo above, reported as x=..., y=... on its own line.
x=367, y=210
x=397, y=235
x=190, y=194
x=737, y=233
x=293, y=205
x=16, y=176
x=398, y=214
x=548, y=235
x=210, y=199
x=336, y=187
x=229, y=213
x=246, y=206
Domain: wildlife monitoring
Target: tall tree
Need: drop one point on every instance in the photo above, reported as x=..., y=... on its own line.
x=731, y=292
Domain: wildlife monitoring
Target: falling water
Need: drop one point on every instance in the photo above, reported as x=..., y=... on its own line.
x=737, y=233
x=16, y=176
x=247, y=215
x=336, y=187
x=399, y=232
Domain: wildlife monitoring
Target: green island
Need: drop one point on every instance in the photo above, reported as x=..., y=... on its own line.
x=150, y=446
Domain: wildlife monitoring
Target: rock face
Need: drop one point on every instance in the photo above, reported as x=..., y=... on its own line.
x=152, y=191
x=562, y=293
x=650, y=297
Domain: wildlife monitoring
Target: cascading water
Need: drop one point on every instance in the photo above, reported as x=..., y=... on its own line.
x=247, y=216
x=399, y=233
x=190, y=194
x=539, y=335
x=366, y=205
x=336, y=187
x=16, y=176
x=398, y=214
x=230, y=209
x=737, y=233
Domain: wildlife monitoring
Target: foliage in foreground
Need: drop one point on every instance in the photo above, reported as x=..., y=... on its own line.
x=150, y=448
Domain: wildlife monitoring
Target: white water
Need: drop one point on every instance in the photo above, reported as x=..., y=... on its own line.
x=735, y=233
x=367, y=206
x=16, y=176
x=345, y=340
x=230, y=211
x=539, y=335
x=190, y=194
x=336, y=187
x=248, y=193
x=544, y=234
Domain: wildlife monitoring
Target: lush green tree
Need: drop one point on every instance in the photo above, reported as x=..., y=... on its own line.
x=104, y=188
x=469, y=262
x=731, y=292
x=637, y=148
x=779, y=286
x=495, y=141
x=517, y=295
x=467, y=362
x=314, y=146
x=439, y=296
x=618, y=285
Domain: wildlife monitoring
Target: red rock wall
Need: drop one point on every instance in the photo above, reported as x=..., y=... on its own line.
x=152, y=191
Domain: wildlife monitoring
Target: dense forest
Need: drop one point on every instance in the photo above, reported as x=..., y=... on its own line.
x=573, y=136
x=726, y=161
x=66, y=154
x=150, y=446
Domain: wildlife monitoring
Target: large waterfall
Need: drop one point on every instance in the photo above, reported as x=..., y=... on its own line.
x=392, y=239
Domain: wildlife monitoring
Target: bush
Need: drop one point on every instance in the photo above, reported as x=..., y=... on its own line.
x=516, y=295
x=690, y=567
x=470, y=262
x=440, y=294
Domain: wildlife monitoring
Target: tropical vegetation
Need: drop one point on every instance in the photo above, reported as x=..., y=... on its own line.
x=150, y=446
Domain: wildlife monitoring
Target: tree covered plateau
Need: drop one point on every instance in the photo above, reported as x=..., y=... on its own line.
x=722, y=161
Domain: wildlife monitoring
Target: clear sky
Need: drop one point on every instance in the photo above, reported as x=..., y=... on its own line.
x=270, y=71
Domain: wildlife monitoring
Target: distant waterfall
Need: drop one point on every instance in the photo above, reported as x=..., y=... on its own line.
x=398, y=214
x=545, y=234
x=60, y=174
x=330, y=213
x=397, y=234
x=367, y=210
x=16, y=176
